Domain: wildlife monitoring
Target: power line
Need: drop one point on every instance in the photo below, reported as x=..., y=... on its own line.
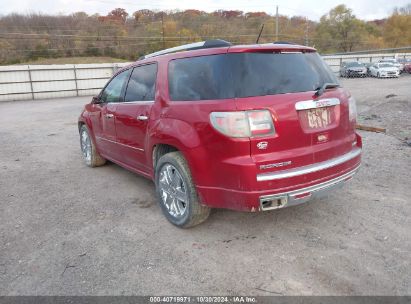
x=80, y=49
x=125, y=38
x=90, y=19
x=190, y=39
x=45, y=36
x=131, y=23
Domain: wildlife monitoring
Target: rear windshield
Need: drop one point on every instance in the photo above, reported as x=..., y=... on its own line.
x=245, y=75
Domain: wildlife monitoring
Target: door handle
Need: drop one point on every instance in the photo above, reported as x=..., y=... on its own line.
x=109, y=116
x=142, y=117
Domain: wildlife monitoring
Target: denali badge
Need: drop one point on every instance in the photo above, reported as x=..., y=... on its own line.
x=276, y=165
x=262, y=145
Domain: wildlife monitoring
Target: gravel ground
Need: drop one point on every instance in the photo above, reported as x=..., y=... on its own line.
x=66, y=229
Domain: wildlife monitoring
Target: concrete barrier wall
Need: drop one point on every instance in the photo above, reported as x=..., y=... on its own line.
x=20, y=82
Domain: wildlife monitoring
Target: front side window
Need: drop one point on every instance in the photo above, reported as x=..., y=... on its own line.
x=112, y=92
x=142, y=83
x=245, y=75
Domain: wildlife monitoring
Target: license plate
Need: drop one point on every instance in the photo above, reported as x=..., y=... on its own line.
x=319, y=118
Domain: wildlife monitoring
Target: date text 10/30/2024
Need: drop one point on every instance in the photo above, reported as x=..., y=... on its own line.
x=203, y=299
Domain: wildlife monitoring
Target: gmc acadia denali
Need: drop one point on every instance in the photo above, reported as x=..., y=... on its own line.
x=245, y=127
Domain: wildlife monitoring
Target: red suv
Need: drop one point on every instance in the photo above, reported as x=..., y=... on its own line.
x=251, y=127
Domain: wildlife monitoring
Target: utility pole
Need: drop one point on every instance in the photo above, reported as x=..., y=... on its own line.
x=162, y=26
x=307, y=27
x=276, y=24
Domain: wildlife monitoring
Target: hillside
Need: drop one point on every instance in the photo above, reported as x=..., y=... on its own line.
x=127, y=36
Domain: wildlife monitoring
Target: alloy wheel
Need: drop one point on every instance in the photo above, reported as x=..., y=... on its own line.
x=86, y=146
x=173, y=191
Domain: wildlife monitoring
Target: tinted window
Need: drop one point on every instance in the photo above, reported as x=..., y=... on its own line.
x=354, y=64
x=141, y=85
x=112, y=91
x=246, y=74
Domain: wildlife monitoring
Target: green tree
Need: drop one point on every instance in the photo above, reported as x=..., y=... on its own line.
x=340, y=30
x=397, y=29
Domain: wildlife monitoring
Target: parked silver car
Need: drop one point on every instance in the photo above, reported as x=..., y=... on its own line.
x=353, y=69
x=394, y=62
x=385, y=70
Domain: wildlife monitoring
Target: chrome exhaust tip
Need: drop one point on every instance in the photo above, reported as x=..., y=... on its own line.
x=273, y=203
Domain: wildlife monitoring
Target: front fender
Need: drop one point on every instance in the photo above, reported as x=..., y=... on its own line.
x=84, y=118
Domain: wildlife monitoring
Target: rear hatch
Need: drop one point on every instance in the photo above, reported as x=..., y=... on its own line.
x=308, y=129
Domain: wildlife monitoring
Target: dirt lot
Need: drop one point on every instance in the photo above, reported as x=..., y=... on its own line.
x=66, y=229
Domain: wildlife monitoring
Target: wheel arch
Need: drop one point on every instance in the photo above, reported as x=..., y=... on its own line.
x=159, y=150
x=85, y=121
x=80, y=123
x=172, y=135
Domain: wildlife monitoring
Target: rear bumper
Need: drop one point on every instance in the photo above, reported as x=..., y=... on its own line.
x=300, y=196
x=285, y=187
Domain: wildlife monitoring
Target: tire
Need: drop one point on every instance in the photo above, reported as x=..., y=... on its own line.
x=88, y=149
x=176, y=192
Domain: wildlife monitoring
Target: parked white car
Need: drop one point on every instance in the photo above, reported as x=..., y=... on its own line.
x=394, y=62
x=384, y=70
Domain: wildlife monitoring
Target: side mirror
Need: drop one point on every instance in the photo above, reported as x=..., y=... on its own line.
x=96, y=100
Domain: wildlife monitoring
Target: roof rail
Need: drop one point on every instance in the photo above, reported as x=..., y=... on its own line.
x=284, y=42
x=188, y=47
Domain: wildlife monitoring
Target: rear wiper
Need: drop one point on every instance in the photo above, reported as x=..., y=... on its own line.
x=328, y=85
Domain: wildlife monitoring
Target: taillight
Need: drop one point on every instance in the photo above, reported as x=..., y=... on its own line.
x=243, y=123
x=352, y=108
x=233, y=124
x=260, y=122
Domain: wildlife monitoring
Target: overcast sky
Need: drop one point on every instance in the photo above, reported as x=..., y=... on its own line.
x=313, y=9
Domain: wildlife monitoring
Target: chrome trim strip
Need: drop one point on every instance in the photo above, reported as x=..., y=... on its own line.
x=142, y=102
x=115, y=142
x=314, y=104
x=310, y=168
x=313, y=190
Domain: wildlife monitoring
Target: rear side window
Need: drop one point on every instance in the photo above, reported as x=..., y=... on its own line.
x=142, y=83
x=245, y=75
x=199, y=78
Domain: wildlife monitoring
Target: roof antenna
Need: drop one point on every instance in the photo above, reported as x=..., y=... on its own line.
x=259, y=35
